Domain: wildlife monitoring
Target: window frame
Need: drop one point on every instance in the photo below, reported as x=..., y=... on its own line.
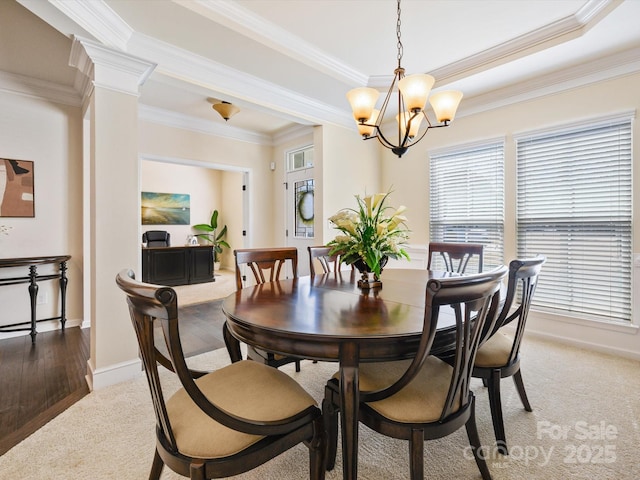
x=576, y=303
x=494, y=251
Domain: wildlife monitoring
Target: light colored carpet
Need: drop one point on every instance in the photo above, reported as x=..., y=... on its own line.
x=224, y=285
x=585, y=425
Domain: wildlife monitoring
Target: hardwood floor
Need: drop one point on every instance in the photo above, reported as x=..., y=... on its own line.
x=38, y=382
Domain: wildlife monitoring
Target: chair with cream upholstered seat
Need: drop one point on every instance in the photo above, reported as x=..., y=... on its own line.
x=425, y=398
x=224, y=422
x=499, y=355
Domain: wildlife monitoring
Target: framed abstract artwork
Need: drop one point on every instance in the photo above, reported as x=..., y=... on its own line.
x=165, y=208
x=16, y=188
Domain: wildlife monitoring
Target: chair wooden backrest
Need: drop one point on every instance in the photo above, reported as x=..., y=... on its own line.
x=265, y=263
x=320, y=255
x=523, y=272
x=456, y=256
x=149, y=305
x=474, y=300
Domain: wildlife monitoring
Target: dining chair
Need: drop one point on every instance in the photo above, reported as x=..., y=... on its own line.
x=425, y=398
x=499, y=354
x=320, y=256
x=455, y=256
x=266, y=265
x=220, y=423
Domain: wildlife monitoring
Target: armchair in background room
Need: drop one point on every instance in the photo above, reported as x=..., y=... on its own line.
x=157, y=238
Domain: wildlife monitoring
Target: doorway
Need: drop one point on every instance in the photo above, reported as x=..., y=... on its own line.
x=210, y=187
x=300, y=205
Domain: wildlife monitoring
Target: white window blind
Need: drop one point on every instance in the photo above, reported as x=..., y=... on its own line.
x=574, y=206
x=466, y=194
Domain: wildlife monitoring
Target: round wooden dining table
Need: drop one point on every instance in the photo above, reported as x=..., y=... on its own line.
x=329, y=318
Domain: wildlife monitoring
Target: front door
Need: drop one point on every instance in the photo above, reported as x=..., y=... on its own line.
x=299, y=194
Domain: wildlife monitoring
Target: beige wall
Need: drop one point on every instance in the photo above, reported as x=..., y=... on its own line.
x=113, y=199
x=279, y=177
x=203, y=185
x=410, y=178
x=410, y=174
x=232, y=214
x=172, y=144
x=349, y=166
x=209, y=189
x=48, y=134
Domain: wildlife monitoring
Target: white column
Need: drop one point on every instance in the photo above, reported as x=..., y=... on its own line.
x=110, y=81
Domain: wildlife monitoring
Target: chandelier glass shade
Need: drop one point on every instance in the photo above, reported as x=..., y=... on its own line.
x=412, y=92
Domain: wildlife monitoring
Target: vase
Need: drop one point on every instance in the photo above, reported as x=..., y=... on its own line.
x=369, y=279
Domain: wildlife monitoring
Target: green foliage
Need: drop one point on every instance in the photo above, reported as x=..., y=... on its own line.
x=213, y=236
x=370, y=232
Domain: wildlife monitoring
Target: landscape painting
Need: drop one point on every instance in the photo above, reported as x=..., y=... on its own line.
x=165, y=208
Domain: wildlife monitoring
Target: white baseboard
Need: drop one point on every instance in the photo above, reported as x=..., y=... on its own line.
x=119, y=372
x=586, y=345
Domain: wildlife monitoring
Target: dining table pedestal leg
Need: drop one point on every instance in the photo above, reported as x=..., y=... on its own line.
x=349, y=402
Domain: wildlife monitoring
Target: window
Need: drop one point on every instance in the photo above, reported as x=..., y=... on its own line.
x=300, y=159
x=304, y=192
x=467, y=198
x=574, y=206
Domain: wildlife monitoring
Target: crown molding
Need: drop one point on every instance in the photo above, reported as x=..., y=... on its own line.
x=563, y=30
x=613, y=66
x=291, y=133
x=96, y=17
x=186, y=66
x=109, y=68
x=244, y=21
x=40, y=89
x=175, y=120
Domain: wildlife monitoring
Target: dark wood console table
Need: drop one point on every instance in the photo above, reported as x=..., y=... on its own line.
x=182, y=265
x=32, y=279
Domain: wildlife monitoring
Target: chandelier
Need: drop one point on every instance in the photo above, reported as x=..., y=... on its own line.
x=412, y=92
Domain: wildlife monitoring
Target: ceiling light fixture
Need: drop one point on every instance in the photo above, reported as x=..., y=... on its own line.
x=225, y=109
x=412, y=92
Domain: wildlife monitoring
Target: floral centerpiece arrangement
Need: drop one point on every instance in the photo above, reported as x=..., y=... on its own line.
x=372, y=233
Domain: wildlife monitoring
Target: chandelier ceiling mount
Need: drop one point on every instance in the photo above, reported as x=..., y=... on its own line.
x=412, y=93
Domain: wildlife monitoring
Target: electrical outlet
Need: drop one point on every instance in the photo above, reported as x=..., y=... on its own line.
x=42, y=298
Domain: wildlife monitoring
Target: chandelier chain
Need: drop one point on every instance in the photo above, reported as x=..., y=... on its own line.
x=398, y=35
x=412, y=93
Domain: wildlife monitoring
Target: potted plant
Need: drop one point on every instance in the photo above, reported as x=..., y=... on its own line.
x=213, y=236
x=370, y=235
